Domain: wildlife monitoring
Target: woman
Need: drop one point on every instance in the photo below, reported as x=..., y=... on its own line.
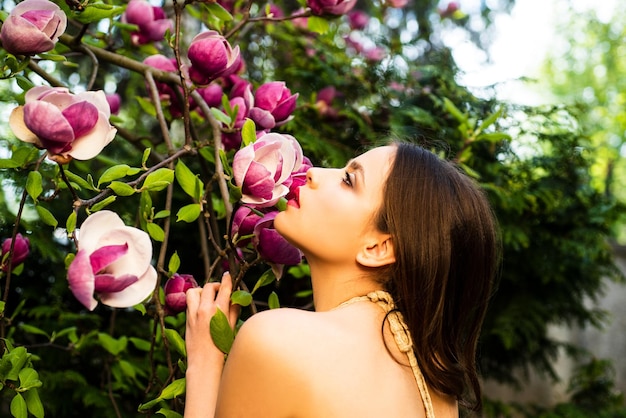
x=396, y=219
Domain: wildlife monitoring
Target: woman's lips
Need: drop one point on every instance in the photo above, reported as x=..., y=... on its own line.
x=295, y=202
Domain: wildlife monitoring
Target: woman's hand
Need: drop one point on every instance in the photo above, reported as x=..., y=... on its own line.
x=202, y=303
x=205, y=361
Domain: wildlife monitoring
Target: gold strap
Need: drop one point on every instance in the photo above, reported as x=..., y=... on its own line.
x=402, y=336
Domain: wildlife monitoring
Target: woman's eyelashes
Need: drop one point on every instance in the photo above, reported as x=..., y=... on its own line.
x=347, y=179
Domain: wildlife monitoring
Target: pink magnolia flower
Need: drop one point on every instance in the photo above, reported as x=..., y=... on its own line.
x=66, y=125
x=151, y=21
x=114, y=101
x=211, y=57
x=273, y=105
x=166, y=92
x=21, y=249
x=449, y=11
x=242, y=99
x=358, y=19
x=175, y=292
x=244, y=220
x=212, y=94
x=398, y=4
x=272, y=247
x=298, y=179
x=33, y=27
x=113, y=261
x=263, y=169
x=330, y=7
x=275, y=11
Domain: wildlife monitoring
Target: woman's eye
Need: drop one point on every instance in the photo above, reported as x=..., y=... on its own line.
x=347, y=179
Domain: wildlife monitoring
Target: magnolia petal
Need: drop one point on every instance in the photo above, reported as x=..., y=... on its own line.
x=39, y=18
x=241, y=162
x=19, y=36
x=98, y=99
x=90, y=145
x=39, y=92
x=104, y=256
x=95, y=226
x=156, y=29
x=133, y=294
x=285, y=109
x=19, y=128
x=81, y=280
x=139, y=12
x=258, y=181
x=107, y=283
x=82, y=117
x=46, y=121
x=139, y=253
x=262, y=118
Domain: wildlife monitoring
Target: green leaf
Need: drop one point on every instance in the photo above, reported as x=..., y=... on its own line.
x=189, y=213
x=33, y=403
x=148, y=107
x=114, y=173
x=241, y=297
x=221, y=332
x=272, y=301
x=494, y=137
x=144, y=158
x=33, y=330
x=248, y=132
x=161, y=214
x=171, y=391
x=8, y=163
x=33, y=184
x=140, y=344
x=167, y=413
x=174, y=263
x=52, y=57
x=158, y=179
x=29, y=378
x=176, y=341
x=102, y=204
x=265, y=279
x=155, y=231
x=490, y=120
x=46, y=216
x=122, y=189
x=318, y=24
x=18, y=407
x=188, y=181
x=79, y=181
x=24, y=83
x=70, y=223
x=454, y=111
x=17, y=359
x=97, y=11
x=221, y=116
x=112, y=345
x=218, y=11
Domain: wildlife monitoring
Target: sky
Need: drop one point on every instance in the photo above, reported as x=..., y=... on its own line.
x=521, y=42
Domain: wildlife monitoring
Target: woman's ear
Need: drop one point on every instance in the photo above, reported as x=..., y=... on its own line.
x=377, y=252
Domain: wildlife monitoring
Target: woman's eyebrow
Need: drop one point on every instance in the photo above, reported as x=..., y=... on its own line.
x=355, y=166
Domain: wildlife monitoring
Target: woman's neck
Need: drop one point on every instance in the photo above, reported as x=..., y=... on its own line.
x=333, y=284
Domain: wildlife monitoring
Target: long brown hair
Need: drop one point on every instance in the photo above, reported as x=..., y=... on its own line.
x=447, y=250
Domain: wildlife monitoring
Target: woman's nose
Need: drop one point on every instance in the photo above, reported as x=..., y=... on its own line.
x=312, y=176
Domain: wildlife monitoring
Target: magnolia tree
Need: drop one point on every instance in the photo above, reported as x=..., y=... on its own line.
x=151, y=147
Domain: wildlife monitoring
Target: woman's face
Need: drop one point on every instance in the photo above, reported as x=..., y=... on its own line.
x=337, y=206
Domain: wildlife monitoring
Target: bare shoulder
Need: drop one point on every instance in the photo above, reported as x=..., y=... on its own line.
x=274, y=328
x=269, y=357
